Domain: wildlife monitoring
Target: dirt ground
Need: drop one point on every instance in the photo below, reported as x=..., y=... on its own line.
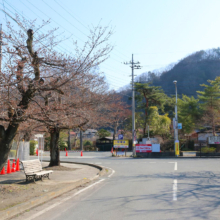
x=15, y=193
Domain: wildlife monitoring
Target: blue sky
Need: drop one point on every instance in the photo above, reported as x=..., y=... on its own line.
x=157, y=32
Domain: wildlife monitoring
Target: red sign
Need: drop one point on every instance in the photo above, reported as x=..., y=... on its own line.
x=143, y=148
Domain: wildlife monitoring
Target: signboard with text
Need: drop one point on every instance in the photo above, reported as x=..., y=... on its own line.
x=143, y=148
x=147, y=148
x=214, y=140
x=121, y=143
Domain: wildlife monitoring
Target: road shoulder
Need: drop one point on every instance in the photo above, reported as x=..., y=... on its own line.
x=72, y=176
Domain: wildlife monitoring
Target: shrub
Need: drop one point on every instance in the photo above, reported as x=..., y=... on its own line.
x=12, y=153
x=63, y=145
x=208, y=149
x=32, y=147
x=87, y=143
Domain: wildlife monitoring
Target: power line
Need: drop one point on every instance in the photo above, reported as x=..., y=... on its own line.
x=19, y=23
x=118, y=85
x=59, y=46
x=55, y=22
x=64, y=18
x=71, y=15
x=61, y=25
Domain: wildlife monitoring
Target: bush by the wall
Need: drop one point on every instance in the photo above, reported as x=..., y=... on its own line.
x=208, y=149
x=32, y=147
x=87, y=143
x=12, y=153
x=63, y=145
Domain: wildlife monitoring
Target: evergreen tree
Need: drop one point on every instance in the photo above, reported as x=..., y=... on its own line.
x=188, y=113
x=210, y=102
x=103, y=133
x=147, y=96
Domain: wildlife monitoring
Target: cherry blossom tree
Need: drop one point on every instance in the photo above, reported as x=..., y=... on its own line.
x=32, y=69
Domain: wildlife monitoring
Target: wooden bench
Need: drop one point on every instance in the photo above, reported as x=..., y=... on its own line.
x=33, y=170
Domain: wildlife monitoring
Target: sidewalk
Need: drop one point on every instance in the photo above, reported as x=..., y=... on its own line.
x=18, y=196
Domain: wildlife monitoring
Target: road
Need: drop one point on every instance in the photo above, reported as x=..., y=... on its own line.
x=140, y=189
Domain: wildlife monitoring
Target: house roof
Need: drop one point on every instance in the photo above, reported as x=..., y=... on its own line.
x=106, y=138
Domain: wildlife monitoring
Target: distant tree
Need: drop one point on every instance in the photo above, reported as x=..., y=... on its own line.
x=159, y=124
x=118, y=113
x=103, y=133
x=210, y=103
x=147, y=96
x=188, y=113
x=139, y=124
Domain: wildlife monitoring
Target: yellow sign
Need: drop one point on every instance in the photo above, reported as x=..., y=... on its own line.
x=177, y=150
x=121, y=143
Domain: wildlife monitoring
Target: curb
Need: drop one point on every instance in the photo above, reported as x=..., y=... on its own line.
x=203, y=157
x=18, y=209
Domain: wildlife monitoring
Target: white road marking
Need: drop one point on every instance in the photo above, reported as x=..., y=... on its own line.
x=63, y=200
x=174, y=190
x=111, y=173
x=175, y=165
x=111, y=170
x=152, y=162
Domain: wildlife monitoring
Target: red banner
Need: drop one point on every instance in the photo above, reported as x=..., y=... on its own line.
x=143, y=148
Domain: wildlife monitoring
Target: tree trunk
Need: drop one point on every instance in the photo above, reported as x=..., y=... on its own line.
x=54, y=147
x=6, y=138
x=69, y=141
x=146, y=116
x=213, y=125
x=115, y=130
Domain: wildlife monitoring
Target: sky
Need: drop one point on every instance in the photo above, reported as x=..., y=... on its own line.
x=157, y=32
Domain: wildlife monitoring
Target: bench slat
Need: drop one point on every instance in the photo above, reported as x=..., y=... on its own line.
x=44, y=172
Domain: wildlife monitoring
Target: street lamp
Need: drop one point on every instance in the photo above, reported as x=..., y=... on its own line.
x=176, y=141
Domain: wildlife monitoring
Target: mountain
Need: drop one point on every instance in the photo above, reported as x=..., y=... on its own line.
x=189, y=73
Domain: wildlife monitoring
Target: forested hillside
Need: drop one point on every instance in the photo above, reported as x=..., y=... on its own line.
x=190, y=72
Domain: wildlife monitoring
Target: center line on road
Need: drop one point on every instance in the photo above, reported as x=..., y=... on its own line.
x=174, y=190
x=175, y=165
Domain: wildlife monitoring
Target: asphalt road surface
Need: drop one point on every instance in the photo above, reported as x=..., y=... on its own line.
x=140, y=189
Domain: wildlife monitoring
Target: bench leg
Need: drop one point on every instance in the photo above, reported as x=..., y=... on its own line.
x=30, y=178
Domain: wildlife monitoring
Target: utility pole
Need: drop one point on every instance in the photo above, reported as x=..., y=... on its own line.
x=133, y=66
x=176, y=141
